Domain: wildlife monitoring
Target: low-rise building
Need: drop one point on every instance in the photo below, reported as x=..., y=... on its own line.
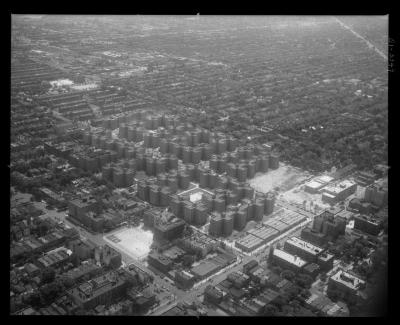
x=302, y=248
x=103, y=290
x=184, y=279
x=287, y=260
x=160, y=262
x=368, y=224
x=346, y=284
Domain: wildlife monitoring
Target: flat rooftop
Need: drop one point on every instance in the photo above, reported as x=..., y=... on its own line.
x=324, y=179
x=348, y=280
x=306, y=246
x=292, y=259
x=315, y=184
x=338, y=188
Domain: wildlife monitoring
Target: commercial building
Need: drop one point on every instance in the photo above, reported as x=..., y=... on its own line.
x=108, y=256
x=287, y=260
x=84, y=249
x=249, y=266
x=160, y=262
x=103, y=290
x=313, y=186
x=54, y=258
x=169, y=230
x=248, y=243
x=184, y=279
x=266, y=234
x=213, y=295
x=361, y=206
x=339, y=192
x=88, y=269
x=205, y=269
x=78, y=208
x=305, y=250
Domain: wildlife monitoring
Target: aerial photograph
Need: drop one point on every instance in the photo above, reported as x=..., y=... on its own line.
x=199, y=165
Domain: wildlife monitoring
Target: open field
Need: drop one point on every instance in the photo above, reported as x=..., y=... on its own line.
x=284, y=178
x=134, y=241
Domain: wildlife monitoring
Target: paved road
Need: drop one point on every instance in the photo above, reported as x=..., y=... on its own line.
x=370, y=45
x=194, y=293
x=176, y=295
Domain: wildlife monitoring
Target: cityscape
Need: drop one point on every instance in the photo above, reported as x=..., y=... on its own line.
x=199, y=165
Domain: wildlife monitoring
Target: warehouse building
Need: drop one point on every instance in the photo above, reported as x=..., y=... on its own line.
x=248, y=243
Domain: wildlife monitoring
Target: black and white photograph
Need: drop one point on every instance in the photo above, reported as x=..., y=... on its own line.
x=199, y=165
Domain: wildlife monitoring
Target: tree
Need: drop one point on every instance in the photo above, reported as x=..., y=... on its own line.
x=68, y=282
x=304, y=293
x=50, y=291
x=43, y=228
x=270, y=310
x=292, y=292
x=48, y=275
x=288, y=275
x=304, y=281
x=34, y=300
x=188, y=260
x=276, y=269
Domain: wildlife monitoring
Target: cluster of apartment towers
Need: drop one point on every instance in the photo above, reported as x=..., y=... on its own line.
x=174, y=154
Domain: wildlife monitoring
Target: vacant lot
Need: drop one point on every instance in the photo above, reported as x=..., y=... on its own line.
x=284, y=178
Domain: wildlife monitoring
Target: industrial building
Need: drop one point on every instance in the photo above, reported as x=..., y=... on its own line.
x=248, y=243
